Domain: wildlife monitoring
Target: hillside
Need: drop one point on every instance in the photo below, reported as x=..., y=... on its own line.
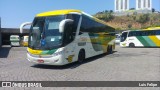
x=135, y=21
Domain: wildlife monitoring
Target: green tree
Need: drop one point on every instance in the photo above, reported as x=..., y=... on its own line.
x=108, y=17
x=111, y=11
x=132, y=9
x=153, y=10
x=129, y=26
x=143, y=18
x=106, y=11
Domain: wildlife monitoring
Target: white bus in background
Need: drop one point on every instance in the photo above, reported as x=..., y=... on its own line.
x=24, y=41
x=14, y=40
x=118, y=37
x=140, y=38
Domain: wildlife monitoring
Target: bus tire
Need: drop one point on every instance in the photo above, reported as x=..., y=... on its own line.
x=81, y=56
x=131, y=45
x=110, y=50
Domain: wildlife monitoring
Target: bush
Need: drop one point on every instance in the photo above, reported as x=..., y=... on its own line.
x=108, y=17
x=143, y=18
x=129, y=25
x=105, y=15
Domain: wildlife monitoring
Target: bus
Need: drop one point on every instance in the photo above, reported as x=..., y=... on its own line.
x=64, y=36
x=14, y=40
x=141, y=38
x=117, y=41
x=24, y=41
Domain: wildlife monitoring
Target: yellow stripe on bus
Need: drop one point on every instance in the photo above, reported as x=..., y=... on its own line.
x=34, y=51
x=57, y=12
x=155, y=40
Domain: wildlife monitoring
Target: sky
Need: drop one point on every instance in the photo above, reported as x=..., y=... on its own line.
x=15, y=12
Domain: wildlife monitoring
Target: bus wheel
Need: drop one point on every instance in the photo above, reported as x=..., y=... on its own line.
x=131, y=45
x=81, y=56
x=109, y=50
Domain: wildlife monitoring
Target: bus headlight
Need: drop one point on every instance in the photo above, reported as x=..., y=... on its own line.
x=57, y=53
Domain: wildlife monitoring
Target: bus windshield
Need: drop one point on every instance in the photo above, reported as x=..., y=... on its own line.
x=44, y=33
x=124, y=36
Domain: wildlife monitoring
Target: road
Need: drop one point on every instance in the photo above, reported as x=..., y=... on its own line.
x=125, y=64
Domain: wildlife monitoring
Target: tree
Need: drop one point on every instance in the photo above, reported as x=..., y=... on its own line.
x=111, y=11
x=129, y=26
x=108, y=17
x=143, y=18
x=153, y=10
x=135, y=13
x=106, y=11
x=132, y=9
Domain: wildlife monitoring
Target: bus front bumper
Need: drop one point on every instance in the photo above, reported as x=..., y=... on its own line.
x=52, y=60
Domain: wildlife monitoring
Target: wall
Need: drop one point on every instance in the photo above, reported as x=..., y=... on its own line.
x=0, y=33
x=7, y=32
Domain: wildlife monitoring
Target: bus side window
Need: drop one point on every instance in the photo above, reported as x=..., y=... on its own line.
x=83, y=25
x=88, y=25
x=157, y=32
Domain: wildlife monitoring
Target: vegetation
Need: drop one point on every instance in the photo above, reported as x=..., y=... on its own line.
x=143, y=18
x=105, y=15
x=134, y=21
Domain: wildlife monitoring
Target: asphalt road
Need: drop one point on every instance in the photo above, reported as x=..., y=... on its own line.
x=125, y=64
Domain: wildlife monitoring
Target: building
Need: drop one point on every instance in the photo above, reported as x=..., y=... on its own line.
x=143, y=4
x=7, y=32
x=0, y=34
x=121, y=5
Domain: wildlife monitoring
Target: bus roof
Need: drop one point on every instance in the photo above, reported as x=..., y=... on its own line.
x=14, y=36
x=152, y=28
x=57, y=12
x=68, y=11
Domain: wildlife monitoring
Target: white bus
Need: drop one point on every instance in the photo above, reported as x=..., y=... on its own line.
x=118, y=37
x=14, y=40
x=65, y=36
x=141, y=38
x=24, y=41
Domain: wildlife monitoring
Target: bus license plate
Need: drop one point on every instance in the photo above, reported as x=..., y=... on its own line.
x=40, y=61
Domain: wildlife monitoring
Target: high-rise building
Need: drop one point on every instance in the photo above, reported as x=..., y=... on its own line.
x=143, y=4
x=121, y=5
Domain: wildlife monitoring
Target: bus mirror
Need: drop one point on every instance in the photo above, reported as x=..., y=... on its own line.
x=23, y=25
x=63, y=23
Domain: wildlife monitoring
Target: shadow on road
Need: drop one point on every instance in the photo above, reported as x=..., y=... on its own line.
x=72, y=65
x=4, y=52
